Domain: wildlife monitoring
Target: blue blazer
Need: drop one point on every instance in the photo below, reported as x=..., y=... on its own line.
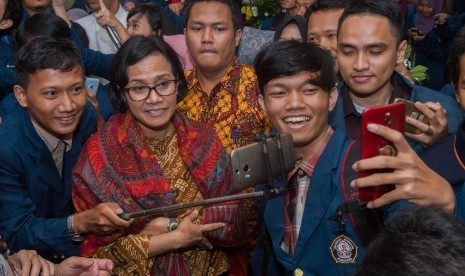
x=34, y=201
x=318, y=229
x=422, y=94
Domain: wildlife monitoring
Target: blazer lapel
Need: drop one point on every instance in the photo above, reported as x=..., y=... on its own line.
x=319, y=196
x=46, y=171
x=322, y=189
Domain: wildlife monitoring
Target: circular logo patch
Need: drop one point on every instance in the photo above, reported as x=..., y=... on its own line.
x=343, y=250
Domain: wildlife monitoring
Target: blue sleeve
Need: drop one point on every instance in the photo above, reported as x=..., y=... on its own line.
x=7, y=81
x=106, y=108
x=18, y=224
x=261, y=251
x=95, y=62
x=178, y=20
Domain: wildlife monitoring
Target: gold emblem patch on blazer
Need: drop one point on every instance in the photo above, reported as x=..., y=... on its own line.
x=344, y=250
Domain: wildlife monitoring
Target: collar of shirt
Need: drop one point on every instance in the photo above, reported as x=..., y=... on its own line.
x=51, y=141
x=400, y=90
x=228, y=82
x=308, y=162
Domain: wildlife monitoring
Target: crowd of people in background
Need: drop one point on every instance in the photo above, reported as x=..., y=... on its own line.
x=113, y=107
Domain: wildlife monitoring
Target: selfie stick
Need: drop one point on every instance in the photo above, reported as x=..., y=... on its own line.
x=174, y=207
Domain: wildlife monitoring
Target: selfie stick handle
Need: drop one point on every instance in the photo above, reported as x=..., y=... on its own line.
x=281, y=156
x=175, y=207
x=266, y=156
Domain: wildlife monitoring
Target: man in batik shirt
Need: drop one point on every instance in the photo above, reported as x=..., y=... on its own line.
x=221, y=91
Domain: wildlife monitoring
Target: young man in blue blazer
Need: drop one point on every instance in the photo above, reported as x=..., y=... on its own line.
x=40, y=144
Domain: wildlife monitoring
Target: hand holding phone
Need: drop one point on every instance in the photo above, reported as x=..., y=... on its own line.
x=92, y=84
x=414, y=113
x=392, y=116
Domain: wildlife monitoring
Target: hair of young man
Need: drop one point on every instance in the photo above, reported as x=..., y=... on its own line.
x=41, y=24
x=417, y=241
x=388, y=9
x=457, y=50
x=14, y=12
x=46, y=53
x=134, y=50
x=233, y=7
x=289, y=57
x=326, y=5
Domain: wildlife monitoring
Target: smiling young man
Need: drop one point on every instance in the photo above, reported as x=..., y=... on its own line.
x=297, y=84
x=367, y=58
x=41, y=143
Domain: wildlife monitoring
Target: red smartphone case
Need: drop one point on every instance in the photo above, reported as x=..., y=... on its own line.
x=392, y=116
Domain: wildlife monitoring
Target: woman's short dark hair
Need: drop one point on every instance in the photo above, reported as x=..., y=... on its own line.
x=152, y=12
x=157, y=17
x=41, y=24
x=46, y=53
x=134, y=50
x=14, y=12
x=289, y=57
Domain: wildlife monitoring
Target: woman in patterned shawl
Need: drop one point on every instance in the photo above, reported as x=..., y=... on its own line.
x=148, y=156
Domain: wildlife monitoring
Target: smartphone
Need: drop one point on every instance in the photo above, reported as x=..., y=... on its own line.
x=392, y=116
x=92, y=84
x=414, y=113
x=248, y=165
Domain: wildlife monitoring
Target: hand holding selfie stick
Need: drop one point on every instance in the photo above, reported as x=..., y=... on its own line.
x=273, y=150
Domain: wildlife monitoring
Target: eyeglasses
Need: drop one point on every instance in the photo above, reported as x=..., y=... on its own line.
x=142, y=92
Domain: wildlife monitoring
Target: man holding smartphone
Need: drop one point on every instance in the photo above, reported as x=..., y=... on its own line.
x=303, y=230
x=303, y=235
x=367, y=58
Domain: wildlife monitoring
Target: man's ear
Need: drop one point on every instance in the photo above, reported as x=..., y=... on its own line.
x=401, y=51
x=238, y=36
x=20, y=95
x=5, y=24
x=184, y=31
x=333, y=95
x=261, y=102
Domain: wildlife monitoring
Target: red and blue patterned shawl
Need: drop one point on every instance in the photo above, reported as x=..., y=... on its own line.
x=116, y=166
